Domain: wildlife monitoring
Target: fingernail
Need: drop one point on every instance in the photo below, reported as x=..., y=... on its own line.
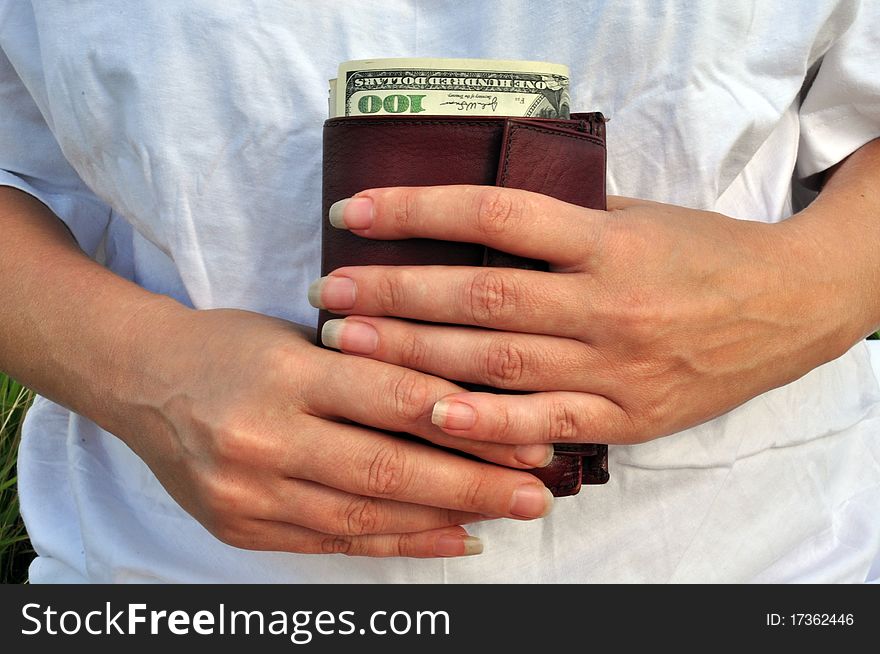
x=537, y=456
x=449, y=414
x=350, y=335
x=531, y=501
x=332, y=293
x=352, y=213
x=455, y=545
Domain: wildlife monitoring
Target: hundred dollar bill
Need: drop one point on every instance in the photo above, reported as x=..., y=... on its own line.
x=477, y=87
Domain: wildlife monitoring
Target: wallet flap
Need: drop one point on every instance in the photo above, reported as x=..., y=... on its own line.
x=564, y=163
x=563, y=160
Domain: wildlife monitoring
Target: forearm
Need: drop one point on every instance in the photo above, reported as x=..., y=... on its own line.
x=72, y=330
x=836, y=248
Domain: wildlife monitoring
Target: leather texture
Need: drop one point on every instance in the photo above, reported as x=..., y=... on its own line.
x=564, y=159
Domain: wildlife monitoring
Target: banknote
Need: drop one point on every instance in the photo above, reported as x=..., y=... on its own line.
x=477, y=87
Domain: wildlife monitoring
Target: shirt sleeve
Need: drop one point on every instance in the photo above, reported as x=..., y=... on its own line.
x=32, y=161
x=841, y=110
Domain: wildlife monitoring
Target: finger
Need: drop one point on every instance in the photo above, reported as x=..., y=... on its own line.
x=397, y=399
x=508, y=360
x=267, y=535
x=364, y=462
x=333, y=511
x=498, y=298
x=551, y=417
x=515, y=221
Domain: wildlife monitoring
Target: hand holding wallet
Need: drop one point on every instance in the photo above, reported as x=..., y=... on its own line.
x=564, y=159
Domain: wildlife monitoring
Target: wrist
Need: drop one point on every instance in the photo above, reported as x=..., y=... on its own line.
x=843, y=227
x=177, y=363
x=142, y=367
x=824, y=282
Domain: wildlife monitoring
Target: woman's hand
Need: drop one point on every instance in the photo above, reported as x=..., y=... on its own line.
x=244, y=421
x=653, y=318
x=247, y=425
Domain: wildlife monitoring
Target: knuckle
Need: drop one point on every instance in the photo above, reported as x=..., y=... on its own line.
x=388, y=471
x=279, y=358
x=638, y=316
x=282, y=369
x=413, y=351
x=496, y=209
x=408, y=395
x=563, y=423
x=504, y=425
x=224, y=503
x=403, y=209
x=449, y=517
x=501, y=424
x=337, y=545
x=229, y=442
x=636, y=309
x=390, y=294
x=404, y=545
x=216, y=502
x=361, y=516
x=233, y=439
x=491, y=296
x=469, y=495
x=504, y=363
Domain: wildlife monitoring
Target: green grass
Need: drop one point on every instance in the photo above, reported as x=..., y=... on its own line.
x=15, y=549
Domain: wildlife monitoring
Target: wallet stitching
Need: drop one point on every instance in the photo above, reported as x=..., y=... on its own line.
x=518, y=124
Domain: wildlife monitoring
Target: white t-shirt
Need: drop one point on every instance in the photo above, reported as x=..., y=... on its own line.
x=187, y=136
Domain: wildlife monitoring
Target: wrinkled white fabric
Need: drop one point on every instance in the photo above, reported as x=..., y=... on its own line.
x=186, y=135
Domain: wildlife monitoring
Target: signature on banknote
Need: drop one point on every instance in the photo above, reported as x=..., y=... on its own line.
x=472, y=105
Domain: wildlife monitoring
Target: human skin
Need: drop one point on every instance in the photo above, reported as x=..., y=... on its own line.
x=652, y=319
x=249, y=426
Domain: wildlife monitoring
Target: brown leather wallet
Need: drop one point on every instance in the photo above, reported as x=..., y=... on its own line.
x=561, y=158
